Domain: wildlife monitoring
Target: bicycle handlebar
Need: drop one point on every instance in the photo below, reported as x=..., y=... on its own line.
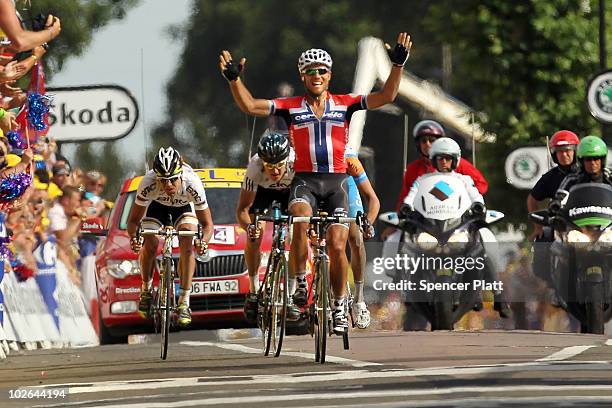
x=329, y=219
x=163, y=232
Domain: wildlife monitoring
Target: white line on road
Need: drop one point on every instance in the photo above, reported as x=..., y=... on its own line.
x=309, y=356
x=552, y=389
x=609, y=342
x=347, y=375
x=565, y=353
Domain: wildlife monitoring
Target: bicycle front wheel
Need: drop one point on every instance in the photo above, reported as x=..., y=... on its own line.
x=166, y=293
x=279, y=309
x=321, y=306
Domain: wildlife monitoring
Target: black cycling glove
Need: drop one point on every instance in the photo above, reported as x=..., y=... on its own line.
x=399, y=55
x=231, y=71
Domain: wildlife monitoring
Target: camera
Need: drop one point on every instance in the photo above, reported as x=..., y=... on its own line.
x=38, y=22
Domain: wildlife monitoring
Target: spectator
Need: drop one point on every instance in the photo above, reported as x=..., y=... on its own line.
x=65, y=219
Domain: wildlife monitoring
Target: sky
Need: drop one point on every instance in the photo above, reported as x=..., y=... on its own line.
x=114, y=57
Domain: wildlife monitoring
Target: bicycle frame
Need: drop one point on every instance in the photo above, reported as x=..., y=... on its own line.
x=320, y=309
x=271, y=294
x=165, y=301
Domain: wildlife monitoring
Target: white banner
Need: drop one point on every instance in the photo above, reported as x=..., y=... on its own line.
x=85, y=113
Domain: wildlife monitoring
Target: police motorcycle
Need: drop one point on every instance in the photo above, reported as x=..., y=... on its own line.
x=442, y=231
x=581, y=255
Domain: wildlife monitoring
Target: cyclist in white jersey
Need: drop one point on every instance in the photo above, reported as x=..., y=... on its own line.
x=170, y=192
x=268, y=177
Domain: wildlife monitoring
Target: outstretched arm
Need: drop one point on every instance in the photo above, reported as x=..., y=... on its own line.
x=243, y=98
x=398, y=56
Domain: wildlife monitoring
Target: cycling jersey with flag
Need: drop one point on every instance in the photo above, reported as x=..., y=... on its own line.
x=319, y=143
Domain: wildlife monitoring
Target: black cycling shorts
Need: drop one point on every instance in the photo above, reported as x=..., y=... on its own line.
x=324, y=191
x=162, y=212
x=264, y=197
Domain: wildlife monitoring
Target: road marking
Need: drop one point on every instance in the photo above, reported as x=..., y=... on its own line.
x=552, y=389
x=346, y=375
x=309, y=356
x=565, y=353
x=609, y=342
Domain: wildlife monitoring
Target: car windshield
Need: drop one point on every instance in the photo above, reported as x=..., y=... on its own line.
x=220, y=200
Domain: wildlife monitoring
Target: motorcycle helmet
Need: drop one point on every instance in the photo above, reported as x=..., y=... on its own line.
x=314, y=56
x=593, y=146
x=560, y=140
x=426, y=128
x=167, y=163
x=445, y=146
x=273, y=147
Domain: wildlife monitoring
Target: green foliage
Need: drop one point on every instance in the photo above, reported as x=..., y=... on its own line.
x=525, y=64
x=80, y=19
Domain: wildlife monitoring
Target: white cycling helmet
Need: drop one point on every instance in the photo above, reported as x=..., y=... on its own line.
x=445, y=146
x=314, y=56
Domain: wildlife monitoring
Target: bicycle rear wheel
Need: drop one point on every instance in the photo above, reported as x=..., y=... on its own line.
x=279, y=306
x=166, y=292
x=321, y=307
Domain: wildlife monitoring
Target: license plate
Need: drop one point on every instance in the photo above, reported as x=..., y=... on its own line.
x=218, y=287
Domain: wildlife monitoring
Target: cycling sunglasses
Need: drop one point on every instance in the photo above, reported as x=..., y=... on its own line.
x=315, y=71
x=271, y=166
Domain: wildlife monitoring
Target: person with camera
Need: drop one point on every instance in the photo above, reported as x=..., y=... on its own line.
x=170, y=189
x=21, y=39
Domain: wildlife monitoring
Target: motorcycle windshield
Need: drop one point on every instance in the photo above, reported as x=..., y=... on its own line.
x=590, y=205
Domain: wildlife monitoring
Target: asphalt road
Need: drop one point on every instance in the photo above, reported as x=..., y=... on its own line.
x=382, y=369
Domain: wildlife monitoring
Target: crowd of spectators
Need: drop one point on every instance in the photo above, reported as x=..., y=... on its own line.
x=59, y=197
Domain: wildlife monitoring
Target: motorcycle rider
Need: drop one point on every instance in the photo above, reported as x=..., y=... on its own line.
x=562, y=147
x=425, y=133
x=445, y=155
x=592, y=154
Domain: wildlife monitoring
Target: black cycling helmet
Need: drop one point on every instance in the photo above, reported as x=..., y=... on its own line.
x=273, y=147
x=167, y=163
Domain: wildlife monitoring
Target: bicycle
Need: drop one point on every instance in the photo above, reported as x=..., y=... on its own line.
x=272, y=295
x=319, y=310
x=164, y=296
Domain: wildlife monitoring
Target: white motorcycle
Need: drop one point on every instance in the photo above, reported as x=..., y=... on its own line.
x=443, y=249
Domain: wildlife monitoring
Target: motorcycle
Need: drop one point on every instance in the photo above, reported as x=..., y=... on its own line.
x=581, y=255
x=443, y=226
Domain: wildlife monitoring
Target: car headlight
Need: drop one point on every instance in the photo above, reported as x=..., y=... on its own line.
x=606, y=236
x=426, y=241
x=122, y=269
x=577, y=237
x=461, y=237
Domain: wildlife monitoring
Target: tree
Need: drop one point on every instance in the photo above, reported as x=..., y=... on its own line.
x=525, y=65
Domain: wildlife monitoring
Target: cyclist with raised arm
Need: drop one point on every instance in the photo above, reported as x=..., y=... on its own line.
x=171, y=190
x=318, y=127
x=268, y=177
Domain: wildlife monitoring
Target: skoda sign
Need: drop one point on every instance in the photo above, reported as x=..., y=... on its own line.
x=89, y=113
x=599, y=97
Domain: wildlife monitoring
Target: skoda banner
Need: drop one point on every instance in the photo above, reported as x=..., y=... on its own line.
x=599, y=97
x=90, y=113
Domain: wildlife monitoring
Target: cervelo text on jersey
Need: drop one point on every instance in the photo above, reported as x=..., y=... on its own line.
x=256, y=176
x=192, y=191
x=319, y=143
